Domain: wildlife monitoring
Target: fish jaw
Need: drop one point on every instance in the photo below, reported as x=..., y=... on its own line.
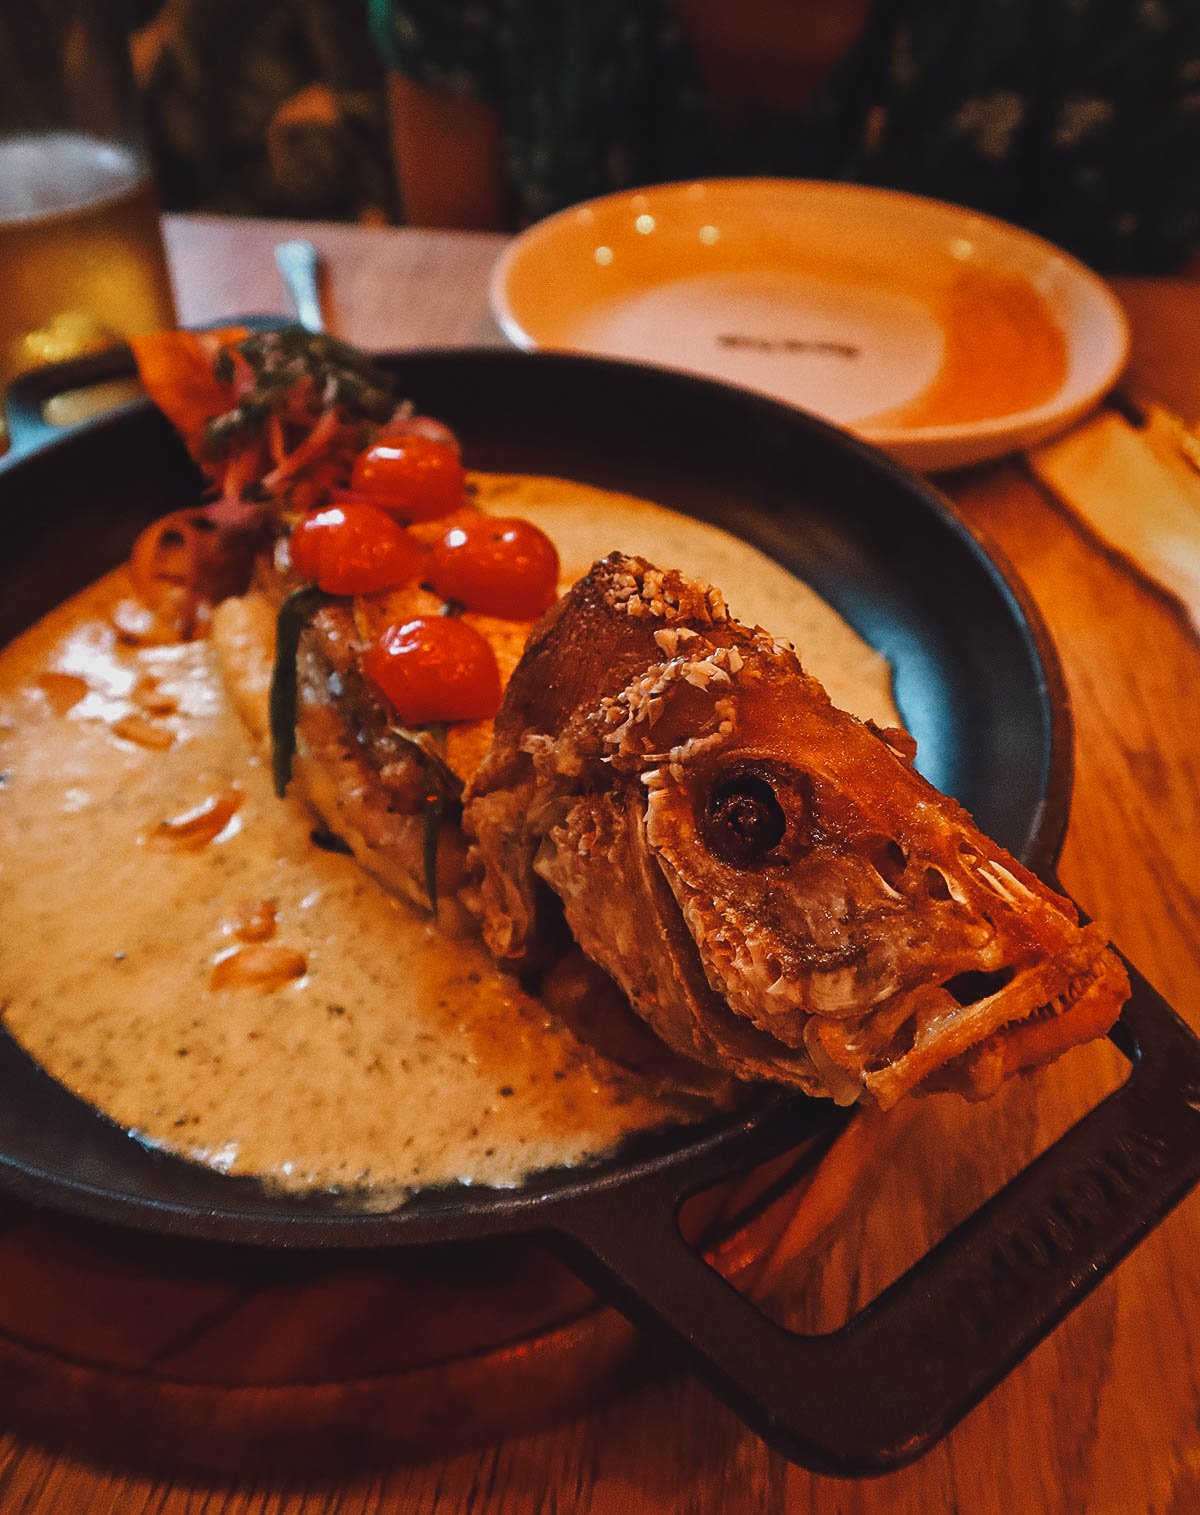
x=640, y=938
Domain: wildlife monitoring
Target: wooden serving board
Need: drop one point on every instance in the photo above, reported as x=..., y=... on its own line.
x=138, y=1349
x=144, y=1351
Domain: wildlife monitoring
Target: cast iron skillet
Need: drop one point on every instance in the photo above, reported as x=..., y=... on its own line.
x=981, y=689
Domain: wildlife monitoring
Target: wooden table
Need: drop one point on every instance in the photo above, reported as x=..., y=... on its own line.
x=1103, y=1416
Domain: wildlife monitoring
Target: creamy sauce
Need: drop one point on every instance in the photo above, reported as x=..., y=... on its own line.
x=395, y=1060
x=142, y=849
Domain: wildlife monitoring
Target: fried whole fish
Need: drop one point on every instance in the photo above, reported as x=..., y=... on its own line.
x=770, y=882
x=764, y=878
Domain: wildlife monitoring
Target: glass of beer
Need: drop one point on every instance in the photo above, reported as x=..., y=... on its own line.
x=81, y=253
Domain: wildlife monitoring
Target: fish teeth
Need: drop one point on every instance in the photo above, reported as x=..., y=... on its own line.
x=1003, y=882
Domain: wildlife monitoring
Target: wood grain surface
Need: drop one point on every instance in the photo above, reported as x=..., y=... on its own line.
x=1102, y=1418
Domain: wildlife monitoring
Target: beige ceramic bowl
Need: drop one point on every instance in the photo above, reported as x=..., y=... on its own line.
x=938, y=334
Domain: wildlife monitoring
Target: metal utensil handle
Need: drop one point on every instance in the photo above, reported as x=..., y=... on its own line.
x=299, y=264
x=878, y=1392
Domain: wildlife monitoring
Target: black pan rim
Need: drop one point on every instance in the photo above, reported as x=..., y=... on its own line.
x=437, y=1214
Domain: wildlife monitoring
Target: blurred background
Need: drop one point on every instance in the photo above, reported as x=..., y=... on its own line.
x=272, y=108
x=1079, y=119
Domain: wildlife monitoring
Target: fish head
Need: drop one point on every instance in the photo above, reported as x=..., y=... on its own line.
x=835, y=899
x=768, y=879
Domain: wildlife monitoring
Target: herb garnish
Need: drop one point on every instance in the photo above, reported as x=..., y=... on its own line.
x=289, y=623
x=290, y=361
x=443, y=796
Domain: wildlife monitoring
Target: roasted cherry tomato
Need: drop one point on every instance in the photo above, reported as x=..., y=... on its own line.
x=353, y=549
x=497, y=566
x=435, y=668
x=411, y=476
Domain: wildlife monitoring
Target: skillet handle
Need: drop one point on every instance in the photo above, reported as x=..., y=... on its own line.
x=878, y=1392
x=26, y=397
x=24, y=401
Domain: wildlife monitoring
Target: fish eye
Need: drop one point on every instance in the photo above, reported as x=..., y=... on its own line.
x=743, y=820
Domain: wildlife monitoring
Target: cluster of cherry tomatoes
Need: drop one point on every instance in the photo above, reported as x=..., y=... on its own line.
x=430, y=668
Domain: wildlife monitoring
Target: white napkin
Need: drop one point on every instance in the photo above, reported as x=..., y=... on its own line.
x=1135, y=487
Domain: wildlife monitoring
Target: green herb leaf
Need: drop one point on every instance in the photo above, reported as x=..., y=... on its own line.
x=425, y=741
x=293, y=616
x=434, y=806
x=340, y=376
x=443, y=796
